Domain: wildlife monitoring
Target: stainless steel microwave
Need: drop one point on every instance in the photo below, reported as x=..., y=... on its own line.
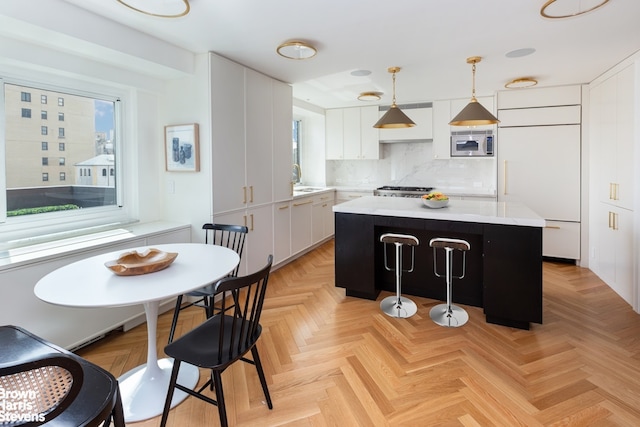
x=472, y=143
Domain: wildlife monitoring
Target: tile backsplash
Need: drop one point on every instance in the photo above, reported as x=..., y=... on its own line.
x=412, y=164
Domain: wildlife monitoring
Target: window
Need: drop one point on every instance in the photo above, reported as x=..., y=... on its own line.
x=104, y=172
x=61, y=204
x=26, y=113
x=296, y=152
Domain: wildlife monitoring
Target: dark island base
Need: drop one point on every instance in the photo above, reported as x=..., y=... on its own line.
x=503, y=268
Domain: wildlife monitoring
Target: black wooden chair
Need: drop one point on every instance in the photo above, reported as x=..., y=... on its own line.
x=47, y=385
x=230, y=236
x=223, y=339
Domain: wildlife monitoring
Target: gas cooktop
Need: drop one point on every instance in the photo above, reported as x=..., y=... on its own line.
x=399, y=191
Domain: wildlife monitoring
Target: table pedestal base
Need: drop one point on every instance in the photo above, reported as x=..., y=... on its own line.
x=144, y=390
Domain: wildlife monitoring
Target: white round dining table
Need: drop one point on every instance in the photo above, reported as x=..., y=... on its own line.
x=89, y=283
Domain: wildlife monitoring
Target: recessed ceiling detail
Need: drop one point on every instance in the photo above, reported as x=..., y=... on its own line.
x=161, y=9
x=556, y=9
x=296, y=49
x=520, y=52
x=360, y=73
x=521, y=83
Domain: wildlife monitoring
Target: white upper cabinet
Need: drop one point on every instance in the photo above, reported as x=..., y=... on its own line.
x=282, y=141
x=350, y=134
x=422, y=131
x=259, y=134
x=227, y=133
x=539, y=97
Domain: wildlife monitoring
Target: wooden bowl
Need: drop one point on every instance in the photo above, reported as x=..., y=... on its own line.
x=135, y=263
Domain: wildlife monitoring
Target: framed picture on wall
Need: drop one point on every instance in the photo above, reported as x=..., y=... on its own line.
x=182, y=149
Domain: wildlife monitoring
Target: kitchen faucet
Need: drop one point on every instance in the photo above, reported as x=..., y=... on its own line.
x=296, y=168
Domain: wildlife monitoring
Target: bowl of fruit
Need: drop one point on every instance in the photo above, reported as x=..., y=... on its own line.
x=435, y=200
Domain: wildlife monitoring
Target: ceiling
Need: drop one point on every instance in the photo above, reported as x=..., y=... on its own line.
x=429, y=39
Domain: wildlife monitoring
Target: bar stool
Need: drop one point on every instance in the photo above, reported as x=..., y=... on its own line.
x=399, y=306
x=449, y=314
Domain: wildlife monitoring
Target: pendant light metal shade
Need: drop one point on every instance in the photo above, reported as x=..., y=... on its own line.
x=394, y=117
x=474, y=114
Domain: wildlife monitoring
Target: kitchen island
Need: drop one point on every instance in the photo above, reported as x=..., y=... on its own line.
x=503, y=267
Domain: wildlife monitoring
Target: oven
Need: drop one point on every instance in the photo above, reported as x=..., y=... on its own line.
x=396, y=191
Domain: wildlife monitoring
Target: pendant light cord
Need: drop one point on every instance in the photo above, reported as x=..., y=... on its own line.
x=473, y=82
x=393, y=78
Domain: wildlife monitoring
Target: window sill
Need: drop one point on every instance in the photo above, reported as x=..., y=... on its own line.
x=25, y=255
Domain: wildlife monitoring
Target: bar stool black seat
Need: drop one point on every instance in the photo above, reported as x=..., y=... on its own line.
x=399, y=306
x=449, y=314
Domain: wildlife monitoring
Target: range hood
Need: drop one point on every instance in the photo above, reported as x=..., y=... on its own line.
x=420, y=113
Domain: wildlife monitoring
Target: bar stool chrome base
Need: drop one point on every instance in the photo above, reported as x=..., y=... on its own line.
x=453, y=317
x=401, y=309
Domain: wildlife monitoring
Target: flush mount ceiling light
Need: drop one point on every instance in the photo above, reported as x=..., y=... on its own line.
x=370, y=96
x=556, y=9
x=296, y=49
x=521, y=83
x=394, y=117
x=159, y=8
x=474, y=114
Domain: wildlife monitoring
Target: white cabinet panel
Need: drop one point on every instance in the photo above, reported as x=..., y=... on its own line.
x=301, y=224
x=565, y=115
x=334, y=123
x=259, y=133
x=369, y=144
x=227, y=134
x=561, y=240
x=351, y=132
x=281, y=231
x=540, y=166
x=282, y=145
x=540, y=97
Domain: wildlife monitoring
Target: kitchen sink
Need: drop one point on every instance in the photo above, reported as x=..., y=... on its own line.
x=307, y=189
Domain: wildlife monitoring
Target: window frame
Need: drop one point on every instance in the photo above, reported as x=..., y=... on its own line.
x=29, y=229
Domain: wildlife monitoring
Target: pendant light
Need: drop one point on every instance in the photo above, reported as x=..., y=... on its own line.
x=394, y=117
x=474, y=114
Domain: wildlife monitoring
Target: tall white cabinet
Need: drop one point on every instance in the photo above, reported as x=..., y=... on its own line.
x=539, y=161
x=251, y=117
x=615, y=139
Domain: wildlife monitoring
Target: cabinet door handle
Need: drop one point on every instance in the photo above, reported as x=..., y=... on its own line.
x=304, y=203
x=610, y=221
x=251, y=194
x=251, y=228
x=504, y=179
x=616, y=188
x=244, y=196
x=291, y=193
x=283, y=207
x=244, y=217
x=615, y=221
x=553, y=227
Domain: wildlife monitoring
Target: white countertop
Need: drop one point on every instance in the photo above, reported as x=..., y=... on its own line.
x=504, y=213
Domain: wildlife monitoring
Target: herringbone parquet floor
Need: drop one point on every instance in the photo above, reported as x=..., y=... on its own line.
x=331, y=360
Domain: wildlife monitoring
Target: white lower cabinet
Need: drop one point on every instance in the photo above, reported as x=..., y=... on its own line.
x=281, y=231
x=322, y=217
x=259, y=242
x=614, y=257
x=561, y=239
x=301, y=224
